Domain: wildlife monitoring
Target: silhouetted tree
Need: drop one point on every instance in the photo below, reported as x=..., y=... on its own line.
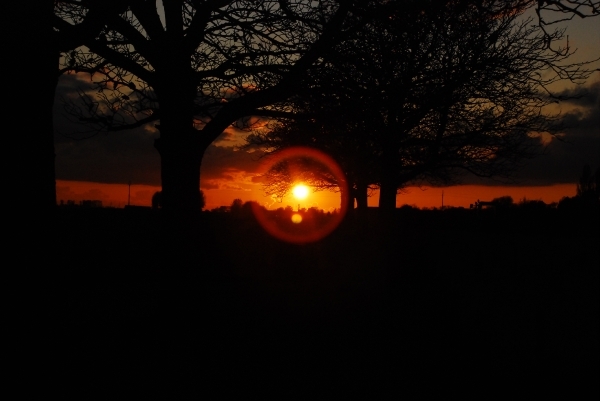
x=157, y=200
x=597, y=181
x=433, y=89
x=320, y=124
x=532, y=205
x=42, y=148
x=586, y=187
x=551, y=12
x=202, y=200
x=49, y=42
x=207, y=65
x=503, y=202
x=283, y=175
x=236, y=206
x=588, y=192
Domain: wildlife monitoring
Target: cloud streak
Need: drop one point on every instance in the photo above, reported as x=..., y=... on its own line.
x=120, y=157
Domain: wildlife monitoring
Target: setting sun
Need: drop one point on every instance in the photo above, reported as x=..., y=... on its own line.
x=300, y=191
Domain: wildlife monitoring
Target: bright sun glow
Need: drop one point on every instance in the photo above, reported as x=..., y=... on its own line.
x=300, y=191
x=296, y=218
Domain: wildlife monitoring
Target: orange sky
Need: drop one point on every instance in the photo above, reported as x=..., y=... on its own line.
x=116, y=195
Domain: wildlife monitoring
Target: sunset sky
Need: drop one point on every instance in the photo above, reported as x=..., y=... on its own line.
x=99, y=167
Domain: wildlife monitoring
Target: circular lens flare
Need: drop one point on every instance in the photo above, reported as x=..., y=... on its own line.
x=300, y=191
x=315, y=224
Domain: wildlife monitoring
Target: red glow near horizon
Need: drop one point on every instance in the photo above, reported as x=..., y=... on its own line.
x=116, y=195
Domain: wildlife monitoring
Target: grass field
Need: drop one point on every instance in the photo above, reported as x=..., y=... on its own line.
x=418, y=302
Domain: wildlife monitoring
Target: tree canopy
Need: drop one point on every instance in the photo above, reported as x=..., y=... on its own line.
x=419, y=96
x=441, y=86
x=195, y=69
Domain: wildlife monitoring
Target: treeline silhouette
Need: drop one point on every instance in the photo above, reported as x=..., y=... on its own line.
x=396, y=91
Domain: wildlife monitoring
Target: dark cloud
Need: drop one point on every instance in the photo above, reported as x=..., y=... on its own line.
x=561, y=159
x=116, y=157
x=123, y=156
x=205, y=184
x=222, y=162
x=120, y=157
x=584, y=96
x=106, y=157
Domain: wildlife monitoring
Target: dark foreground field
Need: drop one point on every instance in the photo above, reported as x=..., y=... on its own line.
x=420, y=303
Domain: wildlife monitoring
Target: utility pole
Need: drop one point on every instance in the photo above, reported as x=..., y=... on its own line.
x=442, y=200
x=129, y=195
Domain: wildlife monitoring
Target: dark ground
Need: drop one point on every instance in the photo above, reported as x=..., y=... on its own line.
x=435, y=302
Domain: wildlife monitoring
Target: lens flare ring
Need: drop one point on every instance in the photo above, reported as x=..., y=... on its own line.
x=303, y=229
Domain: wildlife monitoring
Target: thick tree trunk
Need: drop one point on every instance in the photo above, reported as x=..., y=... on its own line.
x=388, y=184
x=45, y=142
x=387, y=206
x=180, y=173
x=361, y=195
x=181, y=146
x=350, y=200
x=361, y=218
x=41, y=181
x=387, y=196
